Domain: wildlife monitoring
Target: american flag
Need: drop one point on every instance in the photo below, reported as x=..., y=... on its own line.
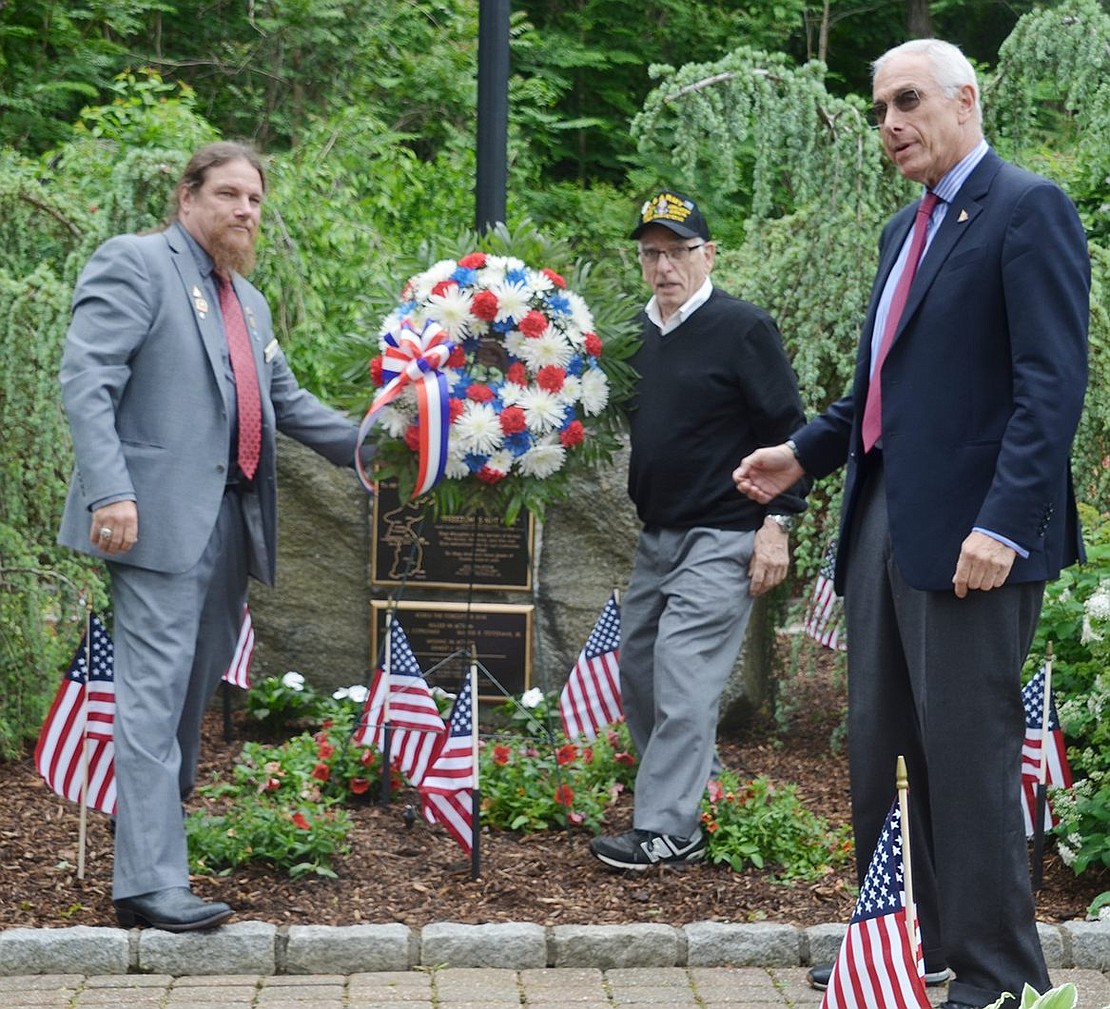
x=591, y=698
x=1057, y=771
x=81, y=712
x=445, y=793
x=239, y=671
x=824, y=616
x=399, y=697
x=876, y=965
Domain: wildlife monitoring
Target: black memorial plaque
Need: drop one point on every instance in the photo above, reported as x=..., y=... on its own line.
x=441, y=635
x=409, y=544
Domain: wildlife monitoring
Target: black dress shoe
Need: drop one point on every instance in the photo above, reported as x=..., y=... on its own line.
x=175, y=910
x=818, y=977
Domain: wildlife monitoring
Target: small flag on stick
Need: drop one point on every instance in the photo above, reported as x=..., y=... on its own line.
x=445, y=792
x=1056, y=769
x=824, y=615
x=239, y=670
x=591, y=698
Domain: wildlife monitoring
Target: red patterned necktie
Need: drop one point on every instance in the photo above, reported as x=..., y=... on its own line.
x=873, y=408
x=247, y=395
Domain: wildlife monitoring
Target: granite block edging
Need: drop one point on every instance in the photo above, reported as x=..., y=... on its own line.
x=258, y=948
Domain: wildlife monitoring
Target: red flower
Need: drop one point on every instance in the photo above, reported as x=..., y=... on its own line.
x=484, y=305
x=359, y=786
x=443, y=287
x=457, y=358
x=574, y=434
x=712, y=827
x=613, y=737
x=367, y=757
x=473, y=261
x=412, y=438
x=512, y=420
x=533, y=324
x=300, y=821
x=479, y=392
x=321, y=771
x=564, y=795
x=501, y=755
x=490, y=476
x=272, y=785
x=566, y=753
x=457, y=407
x=517, y=373
x=587, y=755
x=575, y=818
x=624, y=758
x=553, y=277
x=551, y=377
x=593, y=345
x=376, y=366
x=325, y=750
x=716, y=790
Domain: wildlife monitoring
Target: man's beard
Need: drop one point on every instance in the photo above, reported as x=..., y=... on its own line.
x=227, y=256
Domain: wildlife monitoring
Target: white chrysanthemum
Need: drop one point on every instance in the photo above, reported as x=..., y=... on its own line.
x=548, y=348
x=514, y=340
x=543, y=459
x=510, y=393
x=423, y=283
x=572, y=389
x=542, y=411
x=595, y=391
x=539, y=282
x=500, y=461
x=389, y=324
x=455, y=468
x=452, y=311
x=396, y=422
x=512, y=301
x=580, y=314
x=478, y=429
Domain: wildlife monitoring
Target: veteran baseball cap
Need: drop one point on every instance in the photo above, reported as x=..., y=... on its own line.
x=674, y=211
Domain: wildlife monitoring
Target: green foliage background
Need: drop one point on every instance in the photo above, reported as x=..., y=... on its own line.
x=366, y=112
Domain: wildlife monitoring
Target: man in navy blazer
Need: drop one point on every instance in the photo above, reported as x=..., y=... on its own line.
x=956, y=517
x=160, y=493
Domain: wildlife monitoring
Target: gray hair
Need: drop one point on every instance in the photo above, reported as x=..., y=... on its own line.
x=949, y=65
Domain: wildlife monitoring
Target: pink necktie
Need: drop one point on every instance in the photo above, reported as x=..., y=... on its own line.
x=246, y=379
x=873, y=408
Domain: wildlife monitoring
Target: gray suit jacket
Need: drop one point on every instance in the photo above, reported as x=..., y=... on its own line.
x=145, y=390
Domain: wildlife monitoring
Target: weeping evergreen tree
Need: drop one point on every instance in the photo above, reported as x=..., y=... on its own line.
x=752, y=129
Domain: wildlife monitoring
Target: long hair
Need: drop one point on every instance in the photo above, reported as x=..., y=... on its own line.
x=209, y=157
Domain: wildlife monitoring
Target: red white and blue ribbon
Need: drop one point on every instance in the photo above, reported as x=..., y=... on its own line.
x=414, y=359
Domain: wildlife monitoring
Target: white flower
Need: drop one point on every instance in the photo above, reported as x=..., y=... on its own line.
x=539, y=282
x=548, y=348
x=1098, y=605
x=579, y=313
x=423, y=283
x=531, y=698
x=455, y=467
x=512, y=301
x=340, y=695
x=395, y=422
x=478, y=429
x=514, y=340
x=542, y=411
x=358, y=692
x=572, y=389
x=543, y=459
x=452, y=311
x=500, y=461
x=595, y=391
x=510, y=393
x=293, y=681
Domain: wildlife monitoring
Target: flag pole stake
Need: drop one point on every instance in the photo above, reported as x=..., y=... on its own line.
x=476, y=791
x=83, y=814
x=902, y=783
x=387, y=730
x=1042, y=775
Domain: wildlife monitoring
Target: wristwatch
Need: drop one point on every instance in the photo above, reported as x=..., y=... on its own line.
x=785, y=522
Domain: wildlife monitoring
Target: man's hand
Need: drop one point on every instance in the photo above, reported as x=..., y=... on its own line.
x=115, y=527
x=984, y=564
x=770, y=558
x=767, y=472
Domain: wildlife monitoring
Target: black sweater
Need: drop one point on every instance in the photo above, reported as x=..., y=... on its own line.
x=710, y=392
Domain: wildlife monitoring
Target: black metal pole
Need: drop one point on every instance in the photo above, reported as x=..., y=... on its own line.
x=493, y=114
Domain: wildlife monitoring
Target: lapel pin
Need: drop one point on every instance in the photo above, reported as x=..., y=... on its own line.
x=962, y=217
x=270, y=351
x=200, y=302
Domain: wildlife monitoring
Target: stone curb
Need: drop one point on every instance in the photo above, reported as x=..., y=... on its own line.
x=257, y=948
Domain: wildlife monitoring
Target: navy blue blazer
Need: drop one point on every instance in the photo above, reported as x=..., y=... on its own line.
x=982, y=387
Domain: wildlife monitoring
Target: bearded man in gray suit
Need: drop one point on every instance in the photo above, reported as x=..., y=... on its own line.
x=174, y=387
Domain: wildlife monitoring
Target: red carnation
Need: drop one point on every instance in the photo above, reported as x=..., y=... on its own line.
x=512, y=420
x=490, y=476
x=593, y=345
x=457, y=408
x=484, y=305
x=300, y=821
x=574, y=434
x=554, y=277
x=517, y=373
x=533, y=324
x=412, y=438
x=377, y=364
x=479, y=392
x=473, y=261
x=443, y=287
x=457, y=358
x=551, y=377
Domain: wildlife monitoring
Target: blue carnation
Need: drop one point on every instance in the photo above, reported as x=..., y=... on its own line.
x=576, y=365
x=517, y=277
x=475, y=462
x=504, y=326
x=519, y=443
x=559, y=303
x=464, y=276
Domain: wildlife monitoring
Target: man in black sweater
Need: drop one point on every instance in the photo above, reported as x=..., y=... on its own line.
x=714, y=384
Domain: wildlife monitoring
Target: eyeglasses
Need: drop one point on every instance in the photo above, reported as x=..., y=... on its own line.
x=904, y=101
x=676, y=253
